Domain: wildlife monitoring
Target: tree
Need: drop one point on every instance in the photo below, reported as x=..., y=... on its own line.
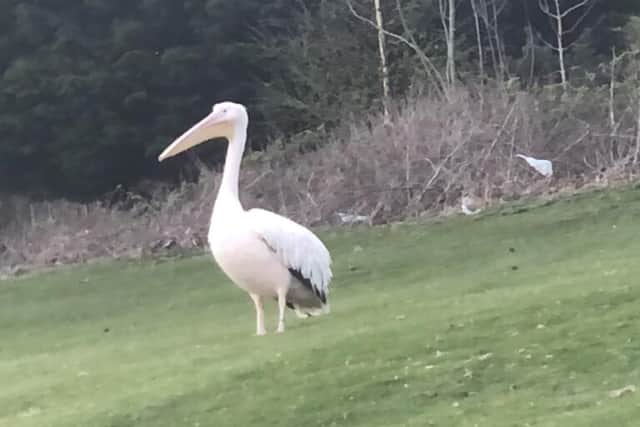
x=559, y=16
x=91, y=91
x=476, y=24
x=448, y=19
x=383, y=58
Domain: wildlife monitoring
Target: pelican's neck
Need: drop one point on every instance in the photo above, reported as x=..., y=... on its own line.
x=228, y=192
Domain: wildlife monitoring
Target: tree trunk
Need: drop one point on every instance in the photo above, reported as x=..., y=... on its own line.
x=448, y=18
x=451, y=44
x=476, y=20
x=559, y=34
x=383, y=59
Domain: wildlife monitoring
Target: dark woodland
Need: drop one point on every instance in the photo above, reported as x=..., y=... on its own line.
x=92, y=90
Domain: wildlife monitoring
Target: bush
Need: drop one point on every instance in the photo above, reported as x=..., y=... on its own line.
x=432, y=152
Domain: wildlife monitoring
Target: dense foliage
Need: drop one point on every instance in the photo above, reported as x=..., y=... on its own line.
x=91, y=90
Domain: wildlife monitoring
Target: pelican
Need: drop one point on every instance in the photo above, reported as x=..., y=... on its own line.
x=265, y=254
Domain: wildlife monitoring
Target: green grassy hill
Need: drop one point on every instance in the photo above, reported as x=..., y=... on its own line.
x=527, y=316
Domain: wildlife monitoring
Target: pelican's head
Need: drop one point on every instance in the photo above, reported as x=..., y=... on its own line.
x=225, y=119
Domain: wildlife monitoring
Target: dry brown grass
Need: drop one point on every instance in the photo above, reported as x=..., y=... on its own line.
x=434, y=152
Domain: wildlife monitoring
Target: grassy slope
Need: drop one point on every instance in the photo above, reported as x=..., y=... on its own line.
x=416, y=311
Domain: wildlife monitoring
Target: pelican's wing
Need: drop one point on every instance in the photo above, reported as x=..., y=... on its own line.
x=301, y=251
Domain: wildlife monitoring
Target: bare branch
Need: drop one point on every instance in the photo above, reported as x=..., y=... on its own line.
x=476, y=20
x=574, y=7
x=612, y=88
x=544, y=7
x=546, y=43
x=558, y=17
x=429, y=67
x=582, y=18
x=427, y=63
x=491, y=23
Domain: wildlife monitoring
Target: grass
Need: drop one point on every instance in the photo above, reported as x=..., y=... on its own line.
x=522, y=317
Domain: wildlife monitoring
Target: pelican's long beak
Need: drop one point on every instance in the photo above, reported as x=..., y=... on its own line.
x=212, y=126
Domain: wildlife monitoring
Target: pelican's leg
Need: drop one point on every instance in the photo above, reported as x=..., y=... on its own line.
x=257, y=300
x=282, y=304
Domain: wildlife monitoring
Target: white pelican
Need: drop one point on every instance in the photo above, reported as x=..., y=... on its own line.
x=265, y=254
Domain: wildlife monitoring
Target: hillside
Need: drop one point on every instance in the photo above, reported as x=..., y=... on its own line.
x=524, y=316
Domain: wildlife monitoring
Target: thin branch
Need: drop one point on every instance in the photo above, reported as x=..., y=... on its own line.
x=429, y=67
x=582, y=18
x=612, y=88
x=574, y=7
x=531, y=43
x=544, y=7
x=427, y=63
x=476, y=20
x=546, y=43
